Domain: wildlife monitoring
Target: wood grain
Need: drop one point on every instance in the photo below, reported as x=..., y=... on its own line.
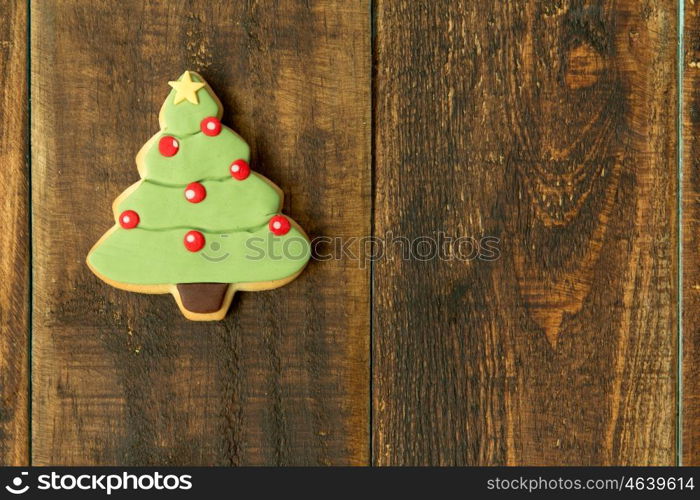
x=550, y=126
x=122, y=378
x=14, y=243
x=691, y=236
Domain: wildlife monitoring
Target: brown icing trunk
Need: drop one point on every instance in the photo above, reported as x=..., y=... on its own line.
x=202, y=297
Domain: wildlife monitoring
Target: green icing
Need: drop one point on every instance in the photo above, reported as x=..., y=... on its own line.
x=184, y=117
x=200, y=157
x=144, y=257
x=230, y=205
x=233, y=217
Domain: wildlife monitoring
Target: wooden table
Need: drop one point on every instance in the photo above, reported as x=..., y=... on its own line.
x=550, y=127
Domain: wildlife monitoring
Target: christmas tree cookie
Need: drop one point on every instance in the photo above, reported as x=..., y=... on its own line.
x=200, y=224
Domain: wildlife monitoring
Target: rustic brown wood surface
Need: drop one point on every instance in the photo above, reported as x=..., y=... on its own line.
x=550, y=126
x=122, y=378
x=14, y=242
x=691, y=236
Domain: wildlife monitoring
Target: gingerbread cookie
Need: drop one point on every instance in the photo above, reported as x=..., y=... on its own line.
x=200, y=224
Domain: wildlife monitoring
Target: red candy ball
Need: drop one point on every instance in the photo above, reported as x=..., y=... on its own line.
x=168, y=145
x=129, y=219
x=279, y=225
x=194, y=241
x=211, y=126
x=240, y=170
x=195, y=192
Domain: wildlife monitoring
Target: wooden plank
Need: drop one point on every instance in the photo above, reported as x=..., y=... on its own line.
x=691, y=236
x=122, y=378
x=550, y=126
x=14, y=244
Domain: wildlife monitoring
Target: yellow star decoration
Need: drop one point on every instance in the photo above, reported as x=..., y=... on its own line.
x=186, y=89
